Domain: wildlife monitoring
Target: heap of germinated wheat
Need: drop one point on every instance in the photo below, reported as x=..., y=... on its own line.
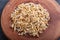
x=29, y=18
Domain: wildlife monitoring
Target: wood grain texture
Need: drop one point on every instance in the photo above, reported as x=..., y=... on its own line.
x=53, y=30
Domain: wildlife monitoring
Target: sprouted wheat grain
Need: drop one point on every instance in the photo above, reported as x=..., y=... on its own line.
x=30, y=18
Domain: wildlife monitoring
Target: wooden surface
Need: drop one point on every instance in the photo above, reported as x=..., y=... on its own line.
x=53, y=30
